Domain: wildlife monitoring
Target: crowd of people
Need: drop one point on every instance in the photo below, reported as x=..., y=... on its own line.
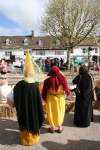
x=30, y=101
x=46, y=64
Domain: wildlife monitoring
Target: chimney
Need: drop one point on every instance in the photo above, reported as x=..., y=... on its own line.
x=32, y=34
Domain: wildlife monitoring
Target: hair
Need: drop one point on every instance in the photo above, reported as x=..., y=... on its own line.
x=54, y=81
x=83, y=69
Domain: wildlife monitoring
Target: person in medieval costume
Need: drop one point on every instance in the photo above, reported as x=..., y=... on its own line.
x=54, y=89
x=97, y=93
x=97, y=89
x=83, y=114
x=27, y=101
x=5, y=89
x=3, y=68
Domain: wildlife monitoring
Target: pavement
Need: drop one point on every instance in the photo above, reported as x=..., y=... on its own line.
x=13, y=78
x=72, y=138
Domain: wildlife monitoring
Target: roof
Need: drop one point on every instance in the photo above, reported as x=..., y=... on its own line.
x=40, y=42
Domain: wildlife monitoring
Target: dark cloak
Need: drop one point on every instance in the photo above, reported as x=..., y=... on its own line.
x=83, y=114
x=28, y=105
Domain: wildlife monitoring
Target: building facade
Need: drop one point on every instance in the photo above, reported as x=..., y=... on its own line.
x=42, y=47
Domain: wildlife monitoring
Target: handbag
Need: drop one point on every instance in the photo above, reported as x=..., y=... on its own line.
x=94, y=98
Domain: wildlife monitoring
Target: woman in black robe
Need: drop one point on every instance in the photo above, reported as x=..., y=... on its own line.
x=83, y=114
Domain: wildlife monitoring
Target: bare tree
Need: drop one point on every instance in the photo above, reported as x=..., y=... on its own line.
x=71, y=21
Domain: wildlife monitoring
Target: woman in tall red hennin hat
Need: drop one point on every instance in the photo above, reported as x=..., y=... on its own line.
x=54, y=90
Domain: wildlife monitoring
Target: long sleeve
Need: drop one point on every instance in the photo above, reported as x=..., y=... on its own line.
x=44, y=91
x=76, y=80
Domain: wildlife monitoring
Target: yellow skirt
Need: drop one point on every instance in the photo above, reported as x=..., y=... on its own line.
x=28, y=138
x=55, y=109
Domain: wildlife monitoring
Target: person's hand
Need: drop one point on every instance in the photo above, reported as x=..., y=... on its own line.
x=69, y=97
x=11, y=104
x=43, y=103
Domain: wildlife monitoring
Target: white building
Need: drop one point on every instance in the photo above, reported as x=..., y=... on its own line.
x=15, y=46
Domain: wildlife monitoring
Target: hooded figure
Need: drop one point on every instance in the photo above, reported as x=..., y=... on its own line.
x=54, y=90
x=83, y=114
x=27, y=101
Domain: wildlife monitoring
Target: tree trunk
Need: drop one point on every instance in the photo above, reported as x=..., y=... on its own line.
x=88, y=60
x=68, y=58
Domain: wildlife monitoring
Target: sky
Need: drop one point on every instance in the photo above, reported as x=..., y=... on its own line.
x=20, y=17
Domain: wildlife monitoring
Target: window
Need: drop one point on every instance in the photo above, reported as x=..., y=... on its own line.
x=84, y=50
x=59, y=52
x=25, y=41
x=57, y=42
x=96, y=50
x=8, y=42
x=7, y=53
x=40, y=52
x=39, y=42
x=72, y=51
x=14, y=42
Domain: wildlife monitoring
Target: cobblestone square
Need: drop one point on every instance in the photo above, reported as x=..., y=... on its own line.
x=72, y=138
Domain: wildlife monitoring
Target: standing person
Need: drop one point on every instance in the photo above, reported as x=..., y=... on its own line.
x=83, y=106
x=27, y=101
x=54, y=90
x=5, y=89
x=97, y=92
x=47, y=64
x=61, y=62
x=53, y=63
x=97, y=89
x=3, y=67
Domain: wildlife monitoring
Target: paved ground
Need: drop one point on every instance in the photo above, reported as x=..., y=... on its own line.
x=13, y=78
x=72, y=138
